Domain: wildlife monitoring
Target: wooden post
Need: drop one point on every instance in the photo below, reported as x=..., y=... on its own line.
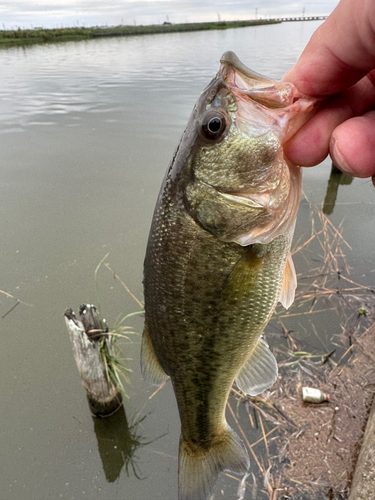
x=89, y=340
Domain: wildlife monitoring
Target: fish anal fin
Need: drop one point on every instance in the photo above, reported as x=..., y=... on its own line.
x=199, y=468
x=150, y=366
x=289, y=284
x=259, y=371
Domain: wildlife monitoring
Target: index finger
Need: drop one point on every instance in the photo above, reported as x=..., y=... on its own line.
x=340, y=53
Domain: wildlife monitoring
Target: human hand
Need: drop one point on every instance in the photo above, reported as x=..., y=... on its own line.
x=339, y=61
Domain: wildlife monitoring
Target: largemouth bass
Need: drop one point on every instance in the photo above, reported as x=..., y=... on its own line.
x=218, y=261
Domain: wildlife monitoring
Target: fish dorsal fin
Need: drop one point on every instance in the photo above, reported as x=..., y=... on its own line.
x=259, y=371
x=150, y=366
x=289, y=284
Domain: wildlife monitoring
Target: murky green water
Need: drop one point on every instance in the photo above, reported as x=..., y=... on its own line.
x=86, y=132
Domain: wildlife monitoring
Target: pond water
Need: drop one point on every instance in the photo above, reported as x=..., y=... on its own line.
x=86, y=132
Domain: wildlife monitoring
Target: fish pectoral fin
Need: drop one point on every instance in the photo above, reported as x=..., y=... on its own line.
x=198, y=468
x=150, y=366
x=289, y=284
x=259, y=371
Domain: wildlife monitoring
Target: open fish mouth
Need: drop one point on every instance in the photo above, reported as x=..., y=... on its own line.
x=271, y=93
x=289, y=106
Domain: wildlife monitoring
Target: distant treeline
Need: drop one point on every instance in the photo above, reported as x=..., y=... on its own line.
x=41, y=35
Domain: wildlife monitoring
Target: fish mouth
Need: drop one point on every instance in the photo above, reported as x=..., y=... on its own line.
x=280, y=101
x=230, y=62
x=272, y=94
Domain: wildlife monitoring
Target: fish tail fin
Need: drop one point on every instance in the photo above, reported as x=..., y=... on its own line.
x=199, y=468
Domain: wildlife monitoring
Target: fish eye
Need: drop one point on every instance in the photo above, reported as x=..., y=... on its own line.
x=213, y=125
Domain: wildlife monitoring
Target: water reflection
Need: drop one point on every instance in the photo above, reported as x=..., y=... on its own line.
x=117, y=444
x=336, y=179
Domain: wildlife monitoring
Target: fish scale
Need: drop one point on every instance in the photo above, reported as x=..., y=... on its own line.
x=218, y=261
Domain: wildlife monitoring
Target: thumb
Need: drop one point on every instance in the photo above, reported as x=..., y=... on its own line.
x=352, y=145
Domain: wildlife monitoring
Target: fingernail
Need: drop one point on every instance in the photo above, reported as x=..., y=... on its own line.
x=337, y=157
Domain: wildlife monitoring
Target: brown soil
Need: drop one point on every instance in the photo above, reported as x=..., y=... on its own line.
x=323, y=447
x=316, y=446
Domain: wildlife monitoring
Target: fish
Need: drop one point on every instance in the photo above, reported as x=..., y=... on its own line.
x=218, y=261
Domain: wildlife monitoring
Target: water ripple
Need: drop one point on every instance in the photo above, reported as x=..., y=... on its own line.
x=95, y=76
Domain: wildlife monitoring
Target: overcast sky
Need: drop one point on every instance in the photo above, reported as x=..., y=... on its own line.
x=58, y=13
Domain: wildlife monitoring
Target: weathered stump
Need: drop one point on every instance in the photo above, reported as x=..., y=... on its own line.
x=91, y=343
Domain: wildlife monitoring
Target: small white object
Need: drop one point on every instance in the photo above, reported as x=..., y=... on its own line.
x=311, y=395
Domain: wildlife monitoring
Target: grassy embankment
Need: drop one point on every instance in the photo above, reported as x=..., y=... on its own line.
x=25, y=37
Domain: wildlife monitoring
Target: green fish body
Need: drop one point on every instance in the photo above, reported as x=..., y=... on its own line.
x=218, y=261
